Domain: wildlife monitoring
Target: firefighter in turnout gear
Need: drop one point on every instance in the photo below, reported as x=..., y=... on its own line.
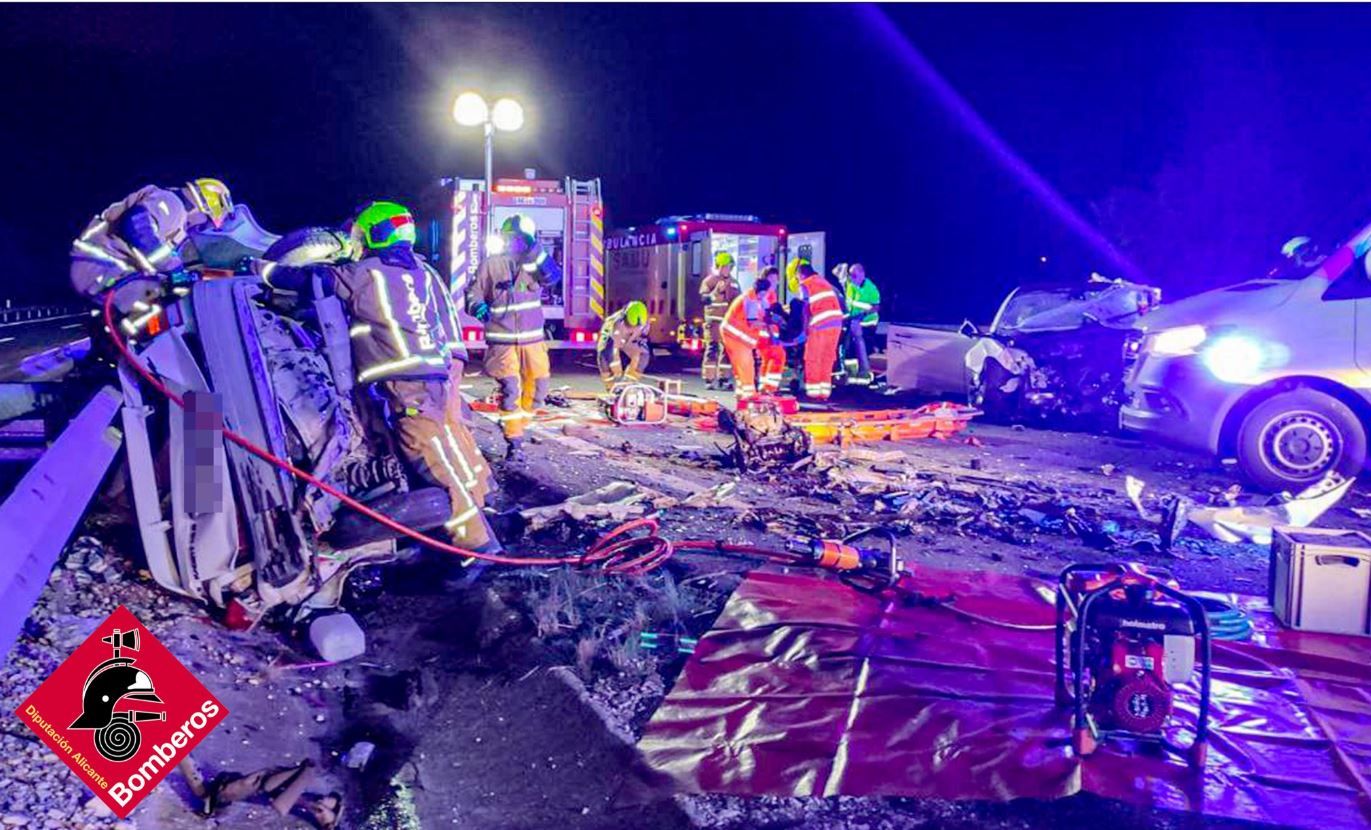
x=864, y=312
x=405, y=339
x=135, y=246
x=506, y=295
x=624, y=332
x=749, y=337
x=717, y=290
x=823, y=313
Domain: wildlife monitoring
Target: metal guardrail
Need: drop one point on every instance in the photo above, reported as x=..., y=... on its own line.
x=38, y=312
x=40, y=515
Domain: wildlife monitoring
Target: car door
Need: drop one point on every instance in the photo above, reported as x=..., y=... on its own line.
x=927, y=359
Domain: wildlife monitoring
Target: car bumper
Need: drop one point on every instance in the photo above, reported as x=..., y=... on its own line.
x=1175, y=401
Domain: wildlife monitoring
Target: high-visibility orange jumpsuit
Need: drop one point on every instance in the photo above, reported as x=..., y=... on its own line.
x=748, y=338
x=823, y=330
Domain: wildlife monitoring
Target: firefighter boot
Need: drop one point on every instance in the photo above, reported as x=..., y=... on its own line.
x=514, y=452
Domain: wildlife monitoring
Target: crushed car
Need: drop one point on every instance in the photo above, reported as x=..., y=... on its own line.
x=217, y=522
x=1052, y=353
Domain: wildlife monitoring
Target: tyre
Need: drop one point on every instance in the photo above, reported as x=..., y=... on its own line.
x=1293, y=439
x=308, y=246
x=422, y=510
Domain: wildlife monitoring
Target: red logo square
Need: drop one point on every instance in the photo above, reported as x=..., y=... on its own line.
x=121, y=711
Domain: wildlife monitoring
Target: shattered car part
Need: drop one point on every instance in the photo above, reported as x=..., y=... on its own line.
x=1252, y=521
x=617, y=501
x=763, y=438
x=1052, y=352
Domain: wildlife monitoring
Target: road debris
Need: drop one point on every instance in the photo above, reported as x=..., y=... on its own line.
x=616, y=501
x=763, y=437
x=337, y=637
x=359, y=755
x=1237, y=517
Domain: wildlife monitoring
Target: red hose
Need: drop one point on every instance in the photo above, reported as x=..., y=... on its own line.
x=618, y=551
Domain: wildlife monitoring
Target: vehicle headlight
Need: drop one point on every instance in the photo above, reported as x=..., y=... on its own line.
x=1181, y=340
x=1234, y=358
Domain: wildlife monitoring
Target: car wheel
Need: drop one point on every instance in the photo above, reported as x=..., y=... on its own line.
x=1293, y=439
x=423, y=509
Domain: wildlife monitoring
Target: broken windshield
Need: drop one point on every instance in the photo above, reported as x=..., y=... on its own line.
x=1062, y=309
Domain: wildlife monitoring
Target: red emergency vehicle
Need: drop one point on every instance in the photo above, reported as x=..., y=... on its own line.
x=569, y=216
x=662, y=264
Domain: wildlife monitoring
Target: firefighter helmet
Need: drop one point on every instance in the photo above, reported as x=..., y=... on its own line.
x=635, y=313
x=106, y=687
x=723, y=259
x=384, y=224
x=520, y=235
x=210, y=197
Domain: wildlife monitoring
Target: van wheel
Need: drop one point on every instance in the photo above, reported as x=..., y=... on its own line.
x=1293, y=439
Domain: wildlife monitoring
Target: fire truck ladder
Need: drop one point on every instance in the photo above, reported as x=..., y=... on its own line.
x=586, y=274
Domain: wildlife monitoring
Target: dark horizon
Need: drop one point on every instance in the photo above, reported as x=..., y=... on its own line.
x=1194, y=139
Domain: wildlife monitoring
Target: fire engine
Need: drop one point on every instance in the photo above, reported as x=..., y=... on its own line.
x=569, y=216
x=662, y=264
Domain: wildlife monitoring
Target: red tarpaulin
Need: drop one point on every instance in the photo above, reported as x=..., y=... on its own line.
x=806, y=687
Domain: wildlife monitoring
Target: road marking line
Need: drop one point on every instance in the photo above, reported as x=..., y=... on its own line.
x=6, y=339
x=74, y=326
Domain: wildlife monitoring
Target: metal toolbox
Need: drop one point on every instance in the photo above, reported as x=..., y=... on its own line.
x=1321, y=579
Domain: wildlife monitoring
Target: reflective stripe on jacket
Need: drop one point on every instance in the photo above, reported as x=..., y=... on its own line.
x=717, y=291
x=514, y=295
x=745, y=320
x=402, y=320
x=825, y=310
x=100, y=243
x=617, y=330
x=862, y=300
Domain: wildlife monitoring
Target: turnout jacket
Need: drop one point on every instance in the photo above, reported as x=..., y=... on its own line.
x=140, y=234
x=618, y=332
x=513, y=292
x=717, y=291
x=402, y=321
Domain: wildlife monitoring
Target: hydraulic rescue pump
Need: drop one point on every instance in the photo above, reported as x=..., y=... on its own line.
x=1126, y=637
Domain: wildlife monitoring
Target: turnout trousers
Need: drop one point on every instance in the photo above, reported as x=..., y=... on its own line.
x=714, y=364
x=523, y=372
x=442, y=452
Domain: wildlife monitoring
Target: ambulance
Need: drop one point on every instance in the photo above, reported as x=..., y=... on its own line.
x=569, y=217
x=662, y=265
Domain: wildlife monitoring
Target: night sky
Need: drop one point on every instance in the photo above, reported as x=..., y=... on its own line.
x=948, y=148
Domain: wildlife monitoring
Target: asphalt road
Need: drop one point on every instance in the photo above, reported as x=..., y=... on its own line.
x=23, y=345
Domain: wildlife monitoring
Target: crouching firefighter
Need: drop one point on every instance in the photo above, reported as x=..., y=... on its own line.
x=135, y=246
x=823, y=313
x=624, y=332
x=405, y=338
x=506, y=295
x=748, y=336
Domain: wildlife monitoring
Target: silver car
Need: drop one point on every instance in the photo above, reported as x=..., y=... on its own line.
x=1274, y=372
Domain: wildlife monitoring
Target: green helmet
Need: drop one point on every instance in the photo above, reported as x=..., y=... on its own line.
x=635, y=313
x=723, y=259
x=383, y=224
x=519, y=225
